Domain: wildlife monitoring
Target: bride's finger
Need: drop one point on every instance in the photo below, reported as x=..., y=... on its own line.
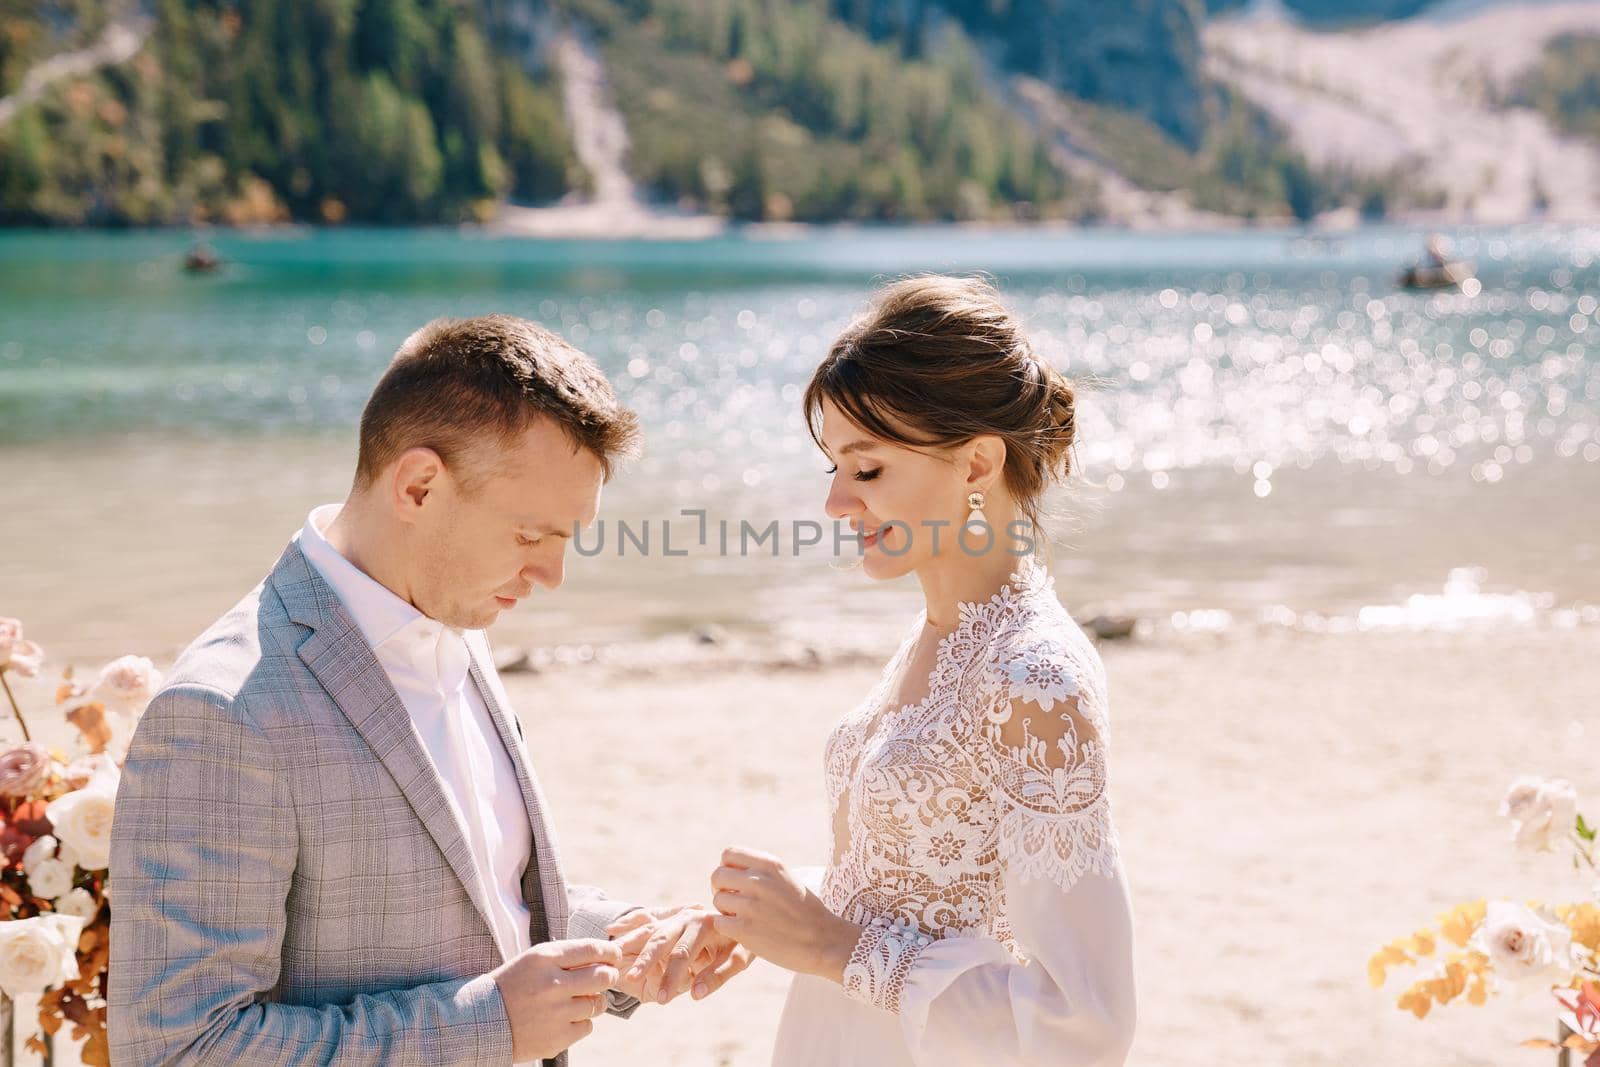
x=731, y=926
x=680, y=960
x=734, y=880
x=749, y=858
x=631, y=921
x=708, y=983
x=652, y=957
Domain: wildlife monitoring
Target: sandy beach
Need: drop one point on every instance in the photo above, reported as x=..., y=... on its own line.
x=1287, y=802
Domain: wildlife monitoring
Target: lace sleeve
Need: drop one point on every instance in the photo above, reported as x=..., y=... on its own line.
x=1044, y=752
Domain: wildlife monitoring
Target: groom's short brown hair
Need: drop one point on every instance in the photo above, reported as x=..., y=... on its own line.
x=457, y=384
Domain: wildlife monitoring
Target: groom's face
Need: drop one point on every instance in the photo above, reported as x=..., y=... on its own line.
x=488, y=543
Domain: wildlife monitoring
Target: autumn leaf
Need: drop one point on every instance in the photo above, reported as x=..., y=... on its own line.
x=96, y=1050
x=90, y=719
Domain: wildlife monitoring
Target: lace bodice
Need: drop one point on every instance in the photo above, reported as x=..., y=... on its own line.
x=998, y=771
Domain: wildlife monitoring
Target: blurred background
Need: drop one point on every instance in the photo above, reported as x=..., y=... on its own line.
x=1326, y=273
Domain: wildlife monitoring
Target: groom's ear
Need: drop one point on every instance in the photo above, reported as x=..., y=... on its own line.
x=415, y=475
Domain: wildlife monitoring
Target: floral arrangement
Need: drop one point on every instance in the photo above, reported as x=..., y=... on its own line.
x=1504, y=945
x=55, y=844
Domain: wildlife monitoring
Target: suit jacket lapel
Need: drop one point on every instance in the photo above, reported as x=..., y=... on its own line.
x=342, y=661
x=543, y=886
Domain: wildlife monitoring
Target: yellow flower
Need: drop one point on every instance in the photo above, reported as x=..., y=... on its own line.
x=1459, y=922
x=1388, y=956
x=1415, y=1001
x=1423, y=942
x=1584, y=921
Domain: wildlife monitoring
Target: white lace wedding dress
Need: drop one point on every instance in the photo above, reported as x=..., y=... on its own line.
x=973, y=842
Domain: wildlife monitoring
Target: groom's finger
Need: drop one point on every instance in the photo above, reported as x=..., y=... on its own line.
x=584, y=952
x=727, y=903
x=587, y=981
x=585, y=1007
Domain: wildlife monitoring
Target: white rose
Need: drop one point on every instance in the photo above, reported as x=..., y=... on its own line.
x=38, y=953
x=19, y=655
x=10, y=637
x=1542, y=811
x=127, y=685
x=1524, y=946
x=42, y=849
x=94, y=770
x=50, y=879
x=80, y=903
x=68, y=855
x=82, y=821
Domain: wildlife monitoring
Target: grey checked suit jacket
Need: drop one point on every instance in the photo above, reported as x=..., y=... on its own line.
x=290, y=885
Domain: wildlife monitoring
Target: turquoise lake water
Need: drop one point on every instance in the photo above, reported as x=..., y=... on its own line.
x=1267, y=420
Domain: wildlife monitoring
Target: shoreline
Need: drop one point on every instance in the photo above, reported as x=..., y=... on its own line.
x=663, y=225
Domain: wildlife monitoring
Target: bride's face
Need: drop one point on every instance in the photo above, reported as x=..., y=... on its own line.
x=901, y=500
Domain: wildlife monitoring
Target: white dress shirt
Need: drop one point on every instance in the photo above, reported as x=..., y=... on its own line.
x=429, y=663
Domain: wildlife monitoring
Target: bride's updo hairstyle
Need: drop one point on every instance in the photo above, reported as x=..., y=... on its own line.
x=937, y=361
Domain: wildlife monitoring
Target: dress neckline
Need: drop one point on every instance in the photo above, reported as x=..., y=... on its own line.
x=1029, y=577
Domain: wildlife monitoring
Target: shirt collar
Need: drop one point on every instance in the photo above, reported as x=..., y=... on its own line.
x=386, y=621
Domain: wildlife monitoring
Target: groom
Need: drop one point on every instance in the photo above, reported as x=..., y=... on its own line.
x=329, y=844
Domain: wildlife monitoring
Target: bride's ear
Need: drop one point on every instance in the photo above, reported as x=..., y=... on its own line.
x=986, y=459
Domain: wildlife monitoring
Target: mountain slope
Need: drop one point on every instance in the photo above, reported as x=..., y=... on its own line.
x=1434, y=95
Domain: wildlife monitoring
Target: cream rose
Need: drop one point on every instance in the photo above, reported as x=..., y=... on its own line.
x=43, y=848
x=16, y=654
x=127, y=685
x=10, y=637
x=50, y=879
x=79, y=902
x=1525, y=947
x=1542, y=812
x=82, y=821
x=38, y=953
x=23, y=768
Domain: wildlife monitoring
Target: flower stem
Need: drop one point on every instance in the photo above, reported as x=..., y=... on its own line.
x=15, y=710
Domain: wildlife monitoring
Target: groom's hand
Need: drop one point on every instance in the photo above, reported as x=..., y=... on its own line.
x=552, y=991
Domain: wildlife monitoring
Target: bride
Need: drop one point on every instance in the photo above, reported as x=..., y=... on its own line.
x=974, y=910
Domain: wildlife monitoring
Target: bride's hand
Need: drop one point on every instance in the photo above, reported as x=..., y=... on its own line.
x=767, y=910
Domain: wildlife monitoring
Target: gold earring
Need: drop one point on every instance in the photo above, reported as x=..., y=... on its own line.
x=976, y=515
